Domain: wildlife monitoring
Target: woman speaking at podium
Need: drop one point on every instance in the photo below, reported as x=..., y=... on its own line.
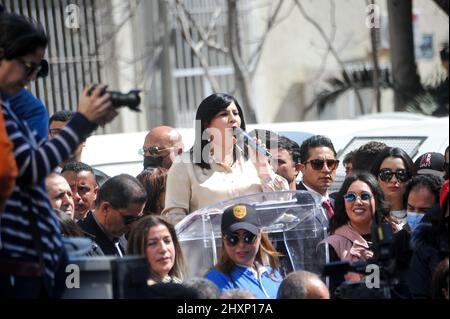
x=216, y=168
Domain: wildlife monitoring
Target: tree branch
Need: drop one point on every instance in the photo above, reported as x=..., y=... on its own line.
x=196, y=49
x=205, y=36
x=332, y=38
x=256, y=56
x=333, y=52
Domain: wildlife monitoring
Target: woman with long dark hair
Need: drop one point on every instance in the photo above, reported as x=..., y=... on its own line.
x=216, y=168
x=359, y=202
x=394, y=168
x=157, y=240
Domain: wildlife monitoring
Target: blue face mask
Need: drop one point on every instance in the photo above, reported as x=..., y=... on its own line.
x=414, y=219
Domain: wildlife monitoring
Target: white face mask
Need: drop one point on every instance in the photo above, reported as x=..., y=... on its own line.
x=414, y=219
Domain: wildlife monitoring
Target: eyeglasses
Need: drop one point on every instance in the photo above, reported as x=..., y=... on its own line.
x=152, y=150
x=233, y=238
x=364, y=197
x=128, y=219
x=317, y=164
x=30, y=68
x=386, y=175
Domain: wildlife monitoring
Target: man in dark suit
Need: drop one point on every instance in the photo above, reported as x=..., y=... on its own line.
x=318, y=166
x=120, y=202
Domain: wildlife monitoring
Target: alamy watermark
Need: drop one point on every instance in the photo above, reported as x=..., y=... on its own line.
x=73, y=276
x=72, y=19
x=373, y=17
x=372, y=277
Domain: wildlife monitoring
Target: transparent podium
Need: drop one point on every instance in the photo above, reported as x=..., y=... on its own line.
x=292, y=220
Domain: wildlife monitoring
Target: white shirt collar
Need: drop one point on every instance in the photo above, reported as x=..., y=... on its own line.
x=318, y=198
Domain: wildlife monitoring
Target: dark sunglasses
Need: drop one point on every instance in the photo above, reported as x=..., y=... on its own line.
x=386, y=175
x=41, y=68
x=128, y=219
x=364, y=197
x=233, y=238
x=317, y=164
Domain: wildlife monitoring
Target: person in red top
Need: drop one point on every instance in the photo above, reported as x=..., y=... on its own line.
x=8, y=168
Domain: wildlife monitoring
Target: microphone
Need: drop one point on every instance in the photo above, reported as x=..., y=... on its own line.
x=243, y=137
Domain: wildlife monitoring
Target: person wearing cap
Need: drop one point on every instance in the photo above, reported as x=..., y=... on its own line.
x=430, y=163
x=248, y=259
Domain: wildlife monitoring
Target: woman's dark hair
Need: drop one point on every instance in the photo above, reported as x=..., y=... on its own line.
x=137, y=243
x=20, y=36
x=382, y=206
x=207, y=110
x=440, y=280
x=393, y=152
x=154, y=182
x=431, y=182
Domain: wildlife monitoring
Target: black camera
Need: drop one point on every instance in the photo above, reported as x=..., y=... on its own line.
x=119, y=99
x=382, y=238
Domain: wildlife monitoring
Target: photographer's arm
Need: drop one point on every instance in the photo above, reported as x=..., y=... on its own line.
x=35, y=163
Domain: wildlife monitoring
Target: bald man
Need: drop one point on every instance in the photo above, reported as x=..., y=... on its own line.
x=60, y=194
x=161, y=145
x=303, y=285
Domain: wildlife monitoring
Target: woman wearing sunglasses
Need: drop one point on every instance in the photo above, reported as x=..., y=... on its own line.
x=358, y=202
x=31, y=251
x=157, y=240
x=248, y=259
x=217, y=168
x=394, y=168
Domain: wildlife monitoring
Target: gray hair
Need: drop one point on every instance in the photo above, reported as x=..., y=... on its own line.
x=205, y=288
x=237, y=293
x=295, y=285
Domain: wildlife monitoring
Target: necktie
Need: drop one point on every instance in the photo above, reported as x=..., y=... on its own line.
x=328, y=209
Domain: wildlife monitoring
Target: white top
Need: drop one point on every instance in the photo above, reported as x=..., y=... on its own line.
x=189, y=187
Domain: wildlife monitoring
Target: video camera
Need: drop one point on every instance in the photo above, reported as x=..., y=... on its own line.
x=382, y=237
x=119, y=99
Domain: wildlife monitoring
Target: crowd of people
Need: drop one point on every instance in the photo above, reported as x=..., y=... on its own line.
x=47, y=194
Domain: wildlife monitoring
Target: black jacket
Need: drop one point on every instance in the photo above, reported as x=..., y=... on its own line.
x=106, y=246
x=429, y=247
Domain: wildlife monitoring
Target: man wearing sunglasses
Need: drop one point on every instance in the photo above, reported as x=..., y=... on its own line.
x=120, y=202
x=318, y=166
x=161, y=146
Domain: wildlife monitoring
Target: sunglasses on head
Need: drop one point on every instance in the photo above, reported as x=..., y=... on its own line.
x=386, y=175
x=317, y=164
x=364, y=197
x=233, y=238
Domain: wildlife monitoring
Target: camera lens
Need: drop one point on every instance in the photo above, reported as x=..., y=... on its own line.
x=130, y=99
